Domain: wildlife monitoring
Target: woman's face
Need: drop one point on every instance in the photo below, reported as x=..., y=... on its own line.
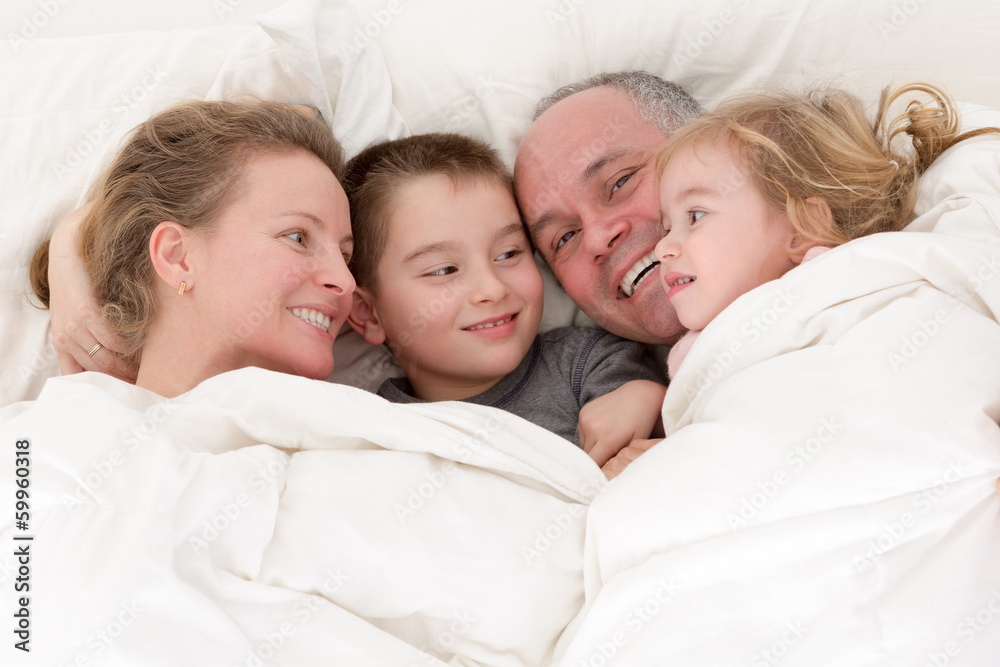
x=272, y=283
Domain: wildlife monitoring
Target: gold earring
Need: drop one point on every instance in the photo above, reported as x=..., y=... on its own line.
x=180, y=290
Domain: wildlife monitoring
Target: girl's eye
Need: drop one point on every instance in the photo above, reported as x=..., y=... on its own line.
x=298, y=237
x=443, y=271
x=695, y=216
x=620, y=183
x=510, y=254
x=563, y=239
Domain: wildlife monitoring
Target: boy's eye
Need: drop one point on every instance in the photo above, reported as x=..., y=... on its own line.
x=695, y=216
x=563, y=239
x=620, y=183
x=443, y=271
x=298, y=237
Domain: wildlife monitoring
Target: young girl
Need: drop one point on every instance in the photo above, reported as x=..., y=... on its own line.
x=769, y=180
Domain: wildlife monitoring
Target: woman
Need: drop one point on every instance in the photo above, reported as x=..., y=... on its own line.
x=218, y=218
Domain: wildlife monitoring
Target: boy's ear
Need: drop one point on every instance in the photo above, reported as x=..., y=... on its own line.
x=819, y=216
x=364, y=317
x=170, y=248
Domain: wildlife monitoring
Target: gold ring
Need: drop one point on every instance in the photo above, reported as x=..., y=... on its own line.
x=94, y=349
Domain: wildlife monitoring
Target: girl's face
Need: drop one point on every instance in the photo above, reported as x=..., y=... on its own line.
x=722, y=239
x=272, y=287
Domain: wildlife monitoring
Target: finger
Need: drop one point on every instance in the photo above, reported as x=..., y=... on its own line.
x=604, y=451
x=113, y=364
x=67, y=363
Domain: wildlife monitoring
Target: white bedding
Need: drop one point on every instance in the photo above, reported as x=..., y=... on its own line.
x=721, y=546
x=263, y=511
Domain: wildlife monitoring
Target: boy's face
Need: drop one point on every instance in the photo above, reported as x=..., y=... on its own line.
x=460, y=296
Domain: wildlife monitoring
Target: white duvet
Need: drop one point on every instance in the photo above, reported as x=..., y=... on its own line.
x=269, y=519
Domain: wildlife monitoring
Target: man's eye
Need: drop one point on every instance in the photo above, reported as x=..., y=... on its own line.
x=620, y=183
x=443, y=271
x=298, y=237
x=695, y=216
x=564, y=238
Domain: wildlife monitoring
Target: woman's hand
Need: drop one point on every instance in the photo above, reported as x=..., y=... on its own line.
x=77, y=328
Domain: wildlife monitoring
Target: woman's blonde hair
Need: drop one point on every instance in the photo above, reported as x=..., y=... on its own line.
x=185, y=164
x=794, y=147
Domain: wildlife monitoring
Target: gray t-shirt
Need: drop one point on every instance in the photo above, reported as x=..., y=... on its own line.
x=564, y=369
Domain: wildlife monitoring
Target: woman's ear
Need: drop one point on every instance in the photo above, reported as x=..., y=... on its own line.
x=170, y=247
x=817, y=216
x=364, y=317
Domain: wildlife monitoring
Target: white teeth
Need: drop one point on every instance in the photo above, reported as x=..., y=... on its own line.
x=491, y=324
x=681, y=281
x=313, y=317
x=638, y=273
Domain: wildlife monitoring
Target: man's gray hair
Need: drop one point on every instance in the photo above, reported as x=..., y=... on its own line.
x=663, y=103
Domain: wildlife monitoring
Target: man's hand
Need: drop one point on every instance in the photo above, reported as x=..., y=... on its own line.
x=76, y=315
x=610, y=422
x=622, y=459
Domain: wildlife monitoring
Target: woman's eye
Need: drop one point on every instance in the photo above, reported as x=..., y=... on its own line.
x=620, y=183
x=443, y=271
x=695, y=216
x=298, y=237
x=563, y=239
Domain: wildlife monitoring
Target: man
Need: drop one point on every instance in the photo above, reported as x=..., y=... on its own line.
x=584, y=178
x=585, y=181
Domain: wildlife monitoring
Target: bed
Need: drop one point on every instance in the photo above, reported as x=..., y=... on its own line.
x=248, y=522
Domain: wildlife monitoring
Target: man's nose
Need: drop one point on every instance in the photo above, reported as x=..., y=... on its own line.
x=602, y=232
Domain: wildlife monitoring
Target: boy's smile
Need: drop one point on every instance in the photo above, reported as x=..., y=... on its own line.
x=460, y=297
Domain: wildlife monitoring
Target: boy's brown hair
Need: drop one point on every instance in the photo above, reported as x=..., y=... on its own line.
x=375, y=175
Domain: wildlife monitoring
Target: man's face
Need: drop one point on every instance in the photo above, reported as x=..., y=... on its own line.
x=585, y=183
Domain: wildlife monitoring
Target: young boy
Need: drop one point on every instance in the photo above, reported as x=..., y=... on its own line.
x=447, y=279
